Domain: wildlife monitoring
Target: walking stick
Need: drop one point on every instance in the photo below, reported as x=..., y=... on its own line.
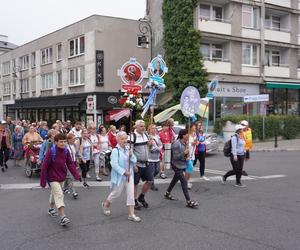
x=130, y=129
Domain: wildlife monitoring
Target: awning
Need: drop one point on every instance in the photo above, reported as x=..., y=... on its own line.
x=117, y=114
x=282, y=85
x=62, y=102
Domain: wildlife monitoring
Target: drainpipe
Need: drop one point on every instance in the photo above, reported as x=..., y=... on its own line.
x=262, y=40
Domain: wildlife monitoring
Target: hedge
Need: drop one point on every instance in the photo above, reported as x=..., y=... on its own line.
x=286, y=126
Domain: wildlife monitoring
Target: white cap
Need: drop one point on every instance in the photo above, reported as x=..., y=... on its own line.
x=244, y=123
x=3, y=122
x=238, y=127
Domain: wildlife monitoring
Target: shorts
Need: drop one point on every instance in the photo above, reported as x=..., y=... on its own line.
x=189, y=166
x=146, y=174
x=247, y=154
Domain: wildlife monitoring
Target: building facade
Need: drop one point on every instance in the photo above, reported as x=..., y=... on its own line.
x=55, y=76
x=5, y=45
x=253, y=48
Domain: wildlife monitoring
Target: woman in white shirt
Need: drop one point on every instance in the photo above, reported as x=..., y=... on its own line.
x=95, y=140
x=191, y=156
x=104, y=146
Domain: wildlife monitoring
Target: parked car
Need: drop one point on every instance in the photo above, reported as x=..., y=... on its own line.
x=211, y=138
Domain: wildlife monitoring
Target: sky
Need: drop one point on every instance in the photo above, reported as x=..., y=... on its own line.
x=25, y=20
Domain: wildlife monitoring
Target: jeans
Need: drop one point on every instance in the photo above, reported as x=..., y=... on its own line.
x=237, y=168
x=201, y=157
x=178, y=175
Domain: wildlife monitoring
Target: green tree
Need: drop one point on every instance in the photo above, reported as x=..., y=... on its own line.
x=182, y=48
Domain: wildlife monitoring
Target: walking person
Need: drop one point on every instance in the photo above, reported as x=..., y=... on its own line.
x=112, y=136
x=104, y=146
x=247, y=136
x=142, y=170
x=200, y=153
x=154, y=152
x=5, y=145
x=17, y=145
x=191, y=157
x=69, y=187
x=54, y=171
x=47, y=144
x=237, y=156
x=180, y=153
x=96, y=142
x=85, y=154
x=122, y=177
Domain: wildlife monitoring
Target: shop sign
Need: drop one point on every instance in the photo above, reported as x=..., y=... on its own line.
x=235, y=90
x=90, y=103
x=256, y=98
x=99, y=67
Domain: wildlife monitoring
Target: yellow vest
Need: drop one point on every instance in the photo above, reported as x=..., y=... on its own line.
x=247, y=135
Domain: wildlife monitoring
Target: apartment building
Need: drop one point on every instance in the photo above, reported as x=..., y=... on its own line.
x=253, y=48
x=51, y=77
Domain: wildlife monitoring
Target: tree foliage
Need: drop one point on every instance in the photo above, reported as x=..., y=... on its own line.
x=182, y=48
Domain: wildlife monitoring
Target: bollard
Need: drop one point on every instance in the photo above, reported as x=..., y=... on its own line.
x=275, y=144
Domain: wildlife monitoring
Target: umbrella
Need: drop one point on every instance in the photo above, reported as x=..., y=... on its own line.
x=168, y=113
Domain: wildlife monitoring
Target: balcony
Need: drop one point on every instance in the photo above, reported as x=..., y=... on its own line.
x=221, y=67
x=250, y=70
x=283, y=3
x=277, y=71
x=278, y=35
x=217, y=27
x=251, y=33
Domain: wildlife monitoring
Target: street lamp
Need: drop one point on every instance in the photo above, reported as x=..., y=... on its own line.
x=18, y=69
x=144, y=28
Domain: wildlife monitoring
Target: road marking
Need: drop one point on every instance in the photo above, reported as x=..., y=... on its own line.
x=216, y=178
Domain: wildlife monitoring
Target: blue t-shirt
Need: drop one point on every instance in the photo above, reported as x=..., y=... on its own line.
x=201, y=146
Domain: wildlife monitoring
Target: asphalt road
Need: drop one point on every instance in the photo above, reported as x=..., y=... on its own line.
x=265, y=215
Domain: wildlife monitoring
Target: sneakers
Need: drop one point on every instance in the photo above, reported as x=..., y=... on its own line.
x=67, y=191
x=104, y=172
x=204, y=178
x=223, y=179
x=189, y=185
x=163, y=175
x=143, y=202
x=75, y=195
x=134, y=218
x=88, y=175
x=137, y=205
x=64, y=221
x=106, y=211
x=240, y=185
x=85, y=185
x=98, y=178
x=52, y=212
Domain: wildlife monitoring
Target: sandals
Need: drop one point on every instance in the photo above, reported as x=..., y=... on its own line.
x=192, y=204
x=106, y=211
x=168, y=196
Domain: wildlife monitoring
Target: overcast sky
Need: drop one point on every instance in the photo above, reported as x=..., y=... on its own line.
x=25, y=20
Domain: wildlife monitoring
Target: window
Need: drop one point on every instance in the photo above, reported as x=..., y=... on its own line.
x=24, y=62
x=273, y=58
x=47, y=81
x=6, y=68
x=24, y=86
x=76, y=46
x=212, y=51
x=250, y=17
x=249, y=54
x=58, y=52
x=59, y=79
x=33, y=84
x=46, y=56
x=6, y=88
x=76, y=76
x=211, y=12
x=272, y=22
x=33, y=64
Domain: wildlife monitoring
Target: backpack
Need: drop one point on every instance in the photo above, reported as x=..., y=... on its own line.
x=53, y=152
x=134, y=137
x=227, y=147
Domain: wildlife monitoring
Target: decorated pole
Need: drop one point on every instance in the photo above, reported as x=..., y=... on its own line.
x=158, y=69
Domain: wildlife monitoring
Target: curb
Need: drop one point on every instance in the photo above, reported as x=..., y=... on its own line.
x=273, y=150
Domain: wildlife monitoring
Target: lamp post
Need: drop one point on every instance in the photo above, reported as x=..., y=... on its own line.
x=18, y=69
x=144, y=28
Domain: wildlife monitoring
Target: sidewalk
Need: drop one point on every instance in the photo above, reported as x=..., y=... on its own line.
x=282, y=145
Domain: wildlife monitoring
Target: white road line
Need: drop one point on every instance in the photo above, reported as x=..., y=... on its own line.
x=217, y=178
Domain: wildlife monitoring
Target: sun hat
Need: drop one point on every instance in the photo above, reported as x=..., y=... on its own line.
x=238, y=127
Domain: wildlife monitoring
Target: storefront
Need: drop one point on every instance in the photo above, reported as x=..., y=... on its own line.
x=284, y=98
x=228, y=100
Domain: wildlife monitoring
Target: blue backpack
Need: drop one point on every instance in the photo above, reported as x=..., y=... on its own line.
x=53, y=152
